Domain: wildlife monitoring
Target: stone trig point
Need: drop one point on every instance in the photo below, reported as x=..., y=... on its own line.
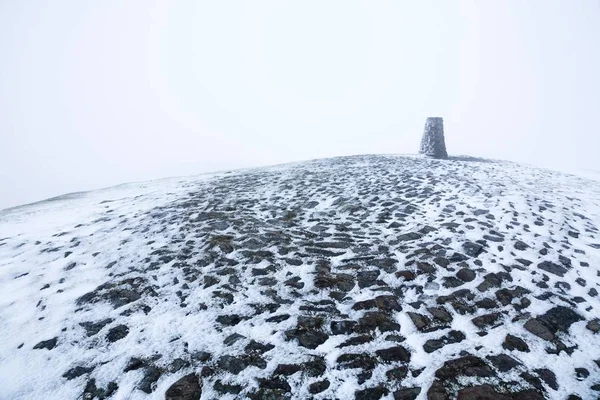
x=433, y=144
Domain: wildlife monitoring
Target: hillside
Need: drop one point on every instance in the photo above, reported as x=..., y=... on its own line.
x=355, y=277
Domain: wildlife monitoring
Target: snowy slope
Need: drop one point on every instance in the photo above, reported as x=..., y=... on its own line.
x=355, y=277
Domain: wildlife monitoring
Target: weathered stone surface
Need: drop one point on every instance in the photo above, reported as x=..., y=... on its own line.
x=553, y=268
x=515, y=343
x=433, y=143
x=186, y=388
x=466, y=366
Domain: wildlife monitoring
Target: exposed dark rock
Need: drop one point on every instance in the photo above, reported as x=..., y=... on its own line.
x=464, y=366
x=377, y=320
x=367, y=278
x=186, y=388
x=453, y=336
x=466, y=275
x=76, y=372
x=397, y=374
x=553, y=268
x=117, y=333
x=46, y=344
x=548, y=377
x=396, y=353
x=484, y=320
x=503, y=362
x=440, y=313
x=515, y=343
x=92, y=328
x=224, y=388
x=343, y=327
x=287, y=369
x=421, y=321
x=407, y=394
x=594, y=325
x=373, y=393
x=472, y=249
x=151, y=375
x=384, y=303
x=539, y=329
x=319, y=386
x=232, y=364
x=354, y=360
x=493, y=280
x=519, y=245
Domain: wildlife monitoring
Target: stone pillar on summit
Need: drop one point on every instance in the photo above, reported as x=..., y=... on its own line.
x=433, y=144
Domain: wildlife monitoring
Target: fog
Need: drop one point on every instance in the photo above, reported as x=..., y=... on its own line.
x=97, y=93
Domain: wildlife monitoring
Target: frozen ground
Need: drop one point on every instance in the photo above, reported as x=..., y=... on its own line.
x=356, y=277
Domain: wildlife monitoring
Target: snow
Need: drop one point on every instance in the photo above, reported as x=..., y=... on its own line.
x=129, y=223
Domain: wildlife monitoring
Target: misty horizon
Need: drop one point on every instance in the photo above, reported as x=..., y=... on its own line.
x=97, y=95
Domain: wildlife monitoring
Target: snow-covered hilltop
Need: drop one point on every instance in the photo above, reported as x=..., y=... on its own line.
x=360, y=277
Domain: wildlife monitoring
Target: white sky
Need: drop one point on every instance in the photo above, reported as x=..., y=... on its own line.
x=97, y=93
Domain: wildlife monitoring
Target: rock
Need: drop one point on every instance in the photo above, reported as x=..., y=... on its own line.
x=466, y=275
x=582, y=373
x=472, y=249
x=384, y=303
x=357, y=340
x=232, y=364
x=353, y=360
x=464, y=366
x=421, y=321
x=342, y=327
x=397, y=374
x=76, y=372
x=407, y=275
x=117, y=333
x=553, y=268
x=594, y=325
x=92, y=328
x=503, y=362
x=440, y=313
x=452, y=282
x=519, y=245
x=376, y=320
x=315, y=367
x=484, y=320
x=409, y=236
x=560, y=318
x=148, y=383
x=318, y=387
x=367, y=278
x=548, y=377
x=536, y=327
x=91, y=391
x=46, y=344
x=433, y=143
x=373, y=393
x=260, y=348
x=312, y=339
x=453, y=336
x=515, y=343
x=274, y=383
x=287, y=369
x=493, y=280
x=486, y=303
x=407, y=394
x=482, y=392
x=396, y=353
x=229, y=320
x=186, y=388
x=506, y=296
x=223, y=388
x=231, y=339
